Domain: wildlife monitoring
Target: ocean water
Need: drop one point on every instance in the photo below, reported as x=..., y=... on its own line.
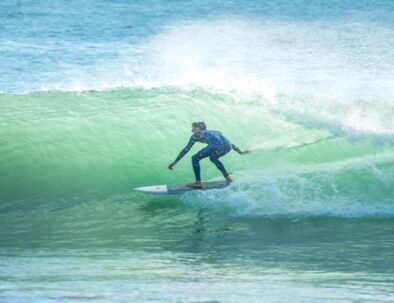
x=97, y=98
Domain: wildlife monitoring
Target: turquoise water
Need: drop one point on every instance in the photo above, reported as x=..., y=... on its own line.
x=97, y=98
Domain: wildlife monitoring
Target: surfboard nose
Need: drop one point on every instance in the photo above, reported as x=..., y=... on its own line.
x=155, y=189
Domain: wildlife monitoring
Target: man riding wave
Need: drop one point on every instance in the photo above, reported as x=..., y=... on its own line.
x=218, y=146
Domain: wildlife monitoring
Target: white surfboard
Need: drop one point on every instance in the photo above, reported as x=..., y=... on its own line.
x=179, y=188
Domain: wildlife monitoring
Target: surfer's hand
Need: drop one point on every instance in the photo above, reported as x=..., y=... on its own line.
x=171, y=165
x=245, y=152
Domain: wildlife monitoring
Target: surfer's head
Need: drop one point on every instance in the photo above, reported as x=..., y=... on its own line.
x=198, y=126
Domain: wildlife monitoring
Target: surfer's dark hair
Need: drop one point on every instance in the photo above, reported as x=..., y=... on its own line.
x=200, y=125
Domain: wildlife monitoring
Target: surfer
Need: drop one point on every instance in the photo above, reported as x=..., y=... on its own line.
x=218, y=146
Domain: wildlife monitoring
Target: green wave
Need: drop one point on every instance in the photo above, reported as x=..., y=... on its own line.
x=66, y=144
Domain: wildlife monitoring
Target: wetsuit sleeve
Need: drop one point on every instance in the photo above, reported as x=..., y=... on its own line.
x=193, y=139
x=234, y=147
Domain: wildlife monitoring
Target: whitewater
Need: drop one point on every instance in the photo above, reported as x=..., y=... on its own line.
x=98, y=98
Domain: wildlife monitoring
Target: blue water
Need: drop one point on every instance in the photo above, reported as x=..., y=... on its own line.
x=97, y=98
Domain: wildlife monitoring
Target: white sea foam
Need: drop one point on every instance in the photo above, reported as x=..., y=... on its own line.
x=334, y=190
x=344, y=59
x=339, y=76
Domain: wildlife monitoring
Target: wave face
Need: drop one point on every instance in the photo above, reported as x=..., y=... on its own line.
x=63, y=145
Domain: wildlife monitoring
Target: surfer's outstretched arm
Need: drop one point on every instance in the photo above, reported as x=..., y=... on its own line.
x=234, y=147
x=184, y=151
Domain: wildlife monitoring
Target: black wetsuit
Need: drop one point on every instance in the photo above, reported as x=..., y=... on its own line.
x=218, y=146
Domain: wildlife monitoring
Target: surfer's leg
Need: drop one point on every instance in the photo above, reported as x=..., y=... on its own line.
x=215, y=160
x=204, y=153
x=219, y=165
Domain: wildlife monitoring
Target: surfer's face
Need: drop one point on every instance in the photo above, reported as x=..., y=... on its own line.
x=195, y=129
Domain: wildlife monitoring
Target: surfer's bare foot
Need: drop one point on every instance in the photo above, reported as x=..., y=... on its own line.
x=228, y=178
x=197, y=184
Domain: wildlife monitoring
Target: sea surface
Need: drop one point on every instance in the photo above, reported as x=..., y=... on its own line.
x=97, y=97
